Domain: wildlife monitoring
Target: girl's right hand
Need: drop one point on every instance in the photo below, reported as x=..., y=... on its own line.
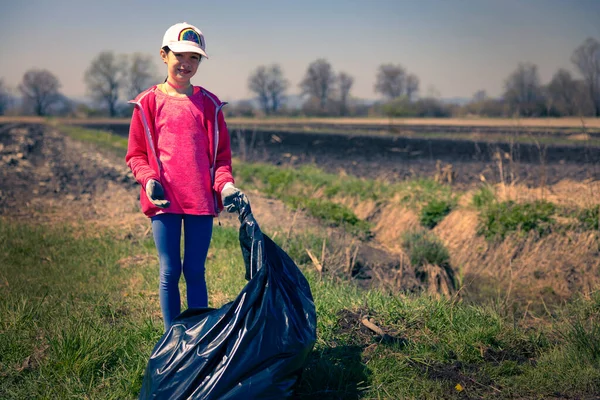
x=156, y=194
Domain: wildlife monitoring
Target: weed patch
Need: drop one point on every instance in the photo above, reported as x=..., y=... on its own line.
x=483, y=197
x=500, y=219
x=434, y=212
x=338, y=215
x=590, y=218
x=415, y=192
x=424, y=248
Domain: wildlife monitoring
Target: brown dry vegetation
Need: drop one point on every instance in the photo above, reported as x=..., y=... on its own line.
x=528, y=272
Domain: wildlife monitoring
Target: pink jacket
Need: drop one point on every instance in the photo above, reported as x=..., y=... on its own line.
x=142, y=156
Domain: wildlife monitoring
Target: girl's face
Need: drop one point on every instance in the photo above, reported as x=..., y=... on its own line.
x=180, y=66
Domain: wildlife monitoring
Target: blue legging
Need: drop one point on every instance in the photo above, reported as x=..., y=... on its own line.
x=166, y=229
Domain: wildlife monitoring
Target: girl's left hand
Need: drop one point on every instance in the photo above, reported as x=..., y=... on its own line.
x=233, y=198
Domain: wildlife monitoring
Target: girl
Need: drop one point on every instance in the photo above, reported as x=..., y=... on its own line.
x=179, y=152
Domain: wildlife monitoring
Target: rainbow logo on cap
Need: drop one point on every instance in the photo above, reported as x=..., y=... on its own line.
x=190, y=35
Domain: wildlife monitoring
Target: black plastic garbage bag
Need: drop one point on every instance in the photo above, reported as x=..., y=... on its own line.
x=254, y=347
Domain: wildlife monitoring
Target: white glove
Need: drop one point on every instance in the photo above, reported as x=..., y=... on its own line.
x=233, y=198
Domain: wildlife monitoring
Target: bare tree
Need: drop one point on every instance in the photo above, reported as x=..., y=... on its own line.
x=104, y=79
x=319, y=82
x=563, y=93
x=477, y=102
x=479, y=96
x=482, y=104
x=276, y=87
x=523, y=93
x=40, y=90
x=587, y=59
x=412, y=86
x=391, y=81
x=269, y=85
x=345, y=83
x=141, y=74
x=258, y=83
x=5, y=97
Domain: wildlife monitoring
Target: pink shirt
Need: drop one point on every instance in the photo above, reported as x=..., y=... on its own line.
x=185, y=136
x=183, y=152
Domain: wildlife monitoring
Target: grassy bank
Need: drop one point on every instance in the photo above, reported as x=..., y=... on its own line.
x=329, y=197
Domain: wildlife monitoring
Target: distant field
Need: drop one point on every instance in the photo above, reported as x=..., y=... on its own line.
x=475, y=122
x=478, y=122
x=407, y=151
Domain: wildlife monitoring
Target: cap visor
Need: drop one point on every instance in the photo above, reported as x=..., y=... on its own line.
x=186, y=48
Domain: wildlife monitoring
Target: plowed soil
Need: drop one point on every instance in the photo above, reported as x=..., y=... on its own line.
x=396, y=157
x=43, y=169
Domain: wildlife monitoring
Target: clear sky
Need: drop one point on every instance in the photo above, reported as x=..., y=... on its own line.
x=455, y=47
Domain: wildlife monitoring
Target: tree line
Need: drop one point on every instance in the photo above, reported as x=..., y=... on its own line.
x=325, y=92
x=109, y=79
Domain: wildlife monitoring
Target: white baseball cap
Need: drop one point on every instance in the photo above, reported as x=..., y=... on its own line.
x=183, y=37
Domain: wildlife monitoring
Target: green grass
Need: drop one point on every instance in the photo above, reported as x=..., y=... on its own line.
x=307, y=180
x=424, y=248
x=589, y=217
x=484, y=197
x=312, y=190
x=497, y=220
x=500, y=219
x=321, y=194
x=78, y=322
x=66, y=330
x=434, y=211
x=103, y=139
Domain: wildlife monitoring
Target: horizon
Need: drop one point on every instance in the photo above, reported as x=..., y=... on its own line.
x=455, y=48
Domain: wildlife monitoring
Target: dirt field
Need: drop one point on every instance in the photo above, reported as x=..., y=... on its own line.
x=47, y=175
x=398, y=157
